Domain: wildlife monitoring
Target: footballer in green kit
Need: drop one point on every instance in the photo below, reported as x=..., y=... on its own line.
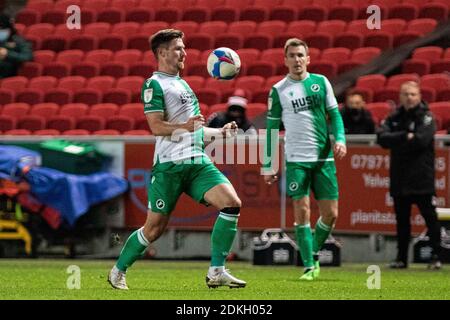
x=180, y=164
x=304, y=101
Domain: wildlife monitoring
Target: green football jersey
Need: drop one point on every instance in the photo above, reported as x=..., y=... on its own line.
x=172, y=96
x=303, y=107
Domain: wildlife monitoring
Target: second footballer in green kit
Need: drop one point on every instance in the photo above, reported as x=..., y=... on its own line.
x=180, y=164
x=304, y=101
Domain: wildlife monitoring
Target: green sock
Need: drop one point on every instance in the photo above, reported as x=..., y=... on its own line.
x=222, y=238
x=304, y=241
x=321, y=234
x=133, y=249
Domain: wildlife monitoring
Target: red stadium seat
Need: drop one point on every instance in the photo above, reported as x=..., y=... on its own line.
x=16, y=83
x=170, y=15
x=120, y=123
x=54, y=16
x=54, y=43
x=198, y=14
x=283, y=13
x=91, y=123
x=437, y=11
x=112, y=42
x=240, y=4
x=70, y=56
x=254, y=13
x=336, y=54
x=28, y=17
x=39, y=30
x=208, y=96
x=200, y=41
x=137, y=133
x=31, y=123
x=249, y=54
x=397, y=80
x=343, y=12
x=332, y=27
x=58, y=96
x=213, y=27
x=119, y=96
x=153, y=26
x=405, y=11
x=442, y=110
x=17, y=132
x=44, y=56
x=392, y=26
x=44, y=109
x=111, y=15
x=114, y=69
x=243, y=28
x=130, y=83
x=222, y=86
x=142, y=69
x=358, y=26
x=140, y=14
x=125, y=28
x=364, y=55
x=438, y=81
x=43, y=83
x=123, y=4
x=40, y=5
x=386, y=94
x=380, y=39
x=319, y=40
x=30, y=96
x=250, y=82
x=313, y=12
x=419, y=66
x=271, y=27
x=61, y=123
x=139, y=42
x=430, y=53
x=405, y=37
x=350, y=40
x=47, y=132
x=230, y=40
x=302, y=27
x=440, y=66
x=428, y=94
x=255, y=109
x=423, y=26
x=68, y=34
x=106, y=132
x=258, y=41
x=72, y=83
x=101, y=83
x=84, y=42
x=132, y=110
x=327, y=68
x=31, y=69
x=197, y=69
x=189, y=27
x=76, y=132
x=262, y=68
x=7, y=96
x=225, y=13
x=104, y=110
x=372, y=81
x=97, y=29
x=7, y=123
x=443, y=94
x=74, y=110
x=87, y=96
x=56, y=69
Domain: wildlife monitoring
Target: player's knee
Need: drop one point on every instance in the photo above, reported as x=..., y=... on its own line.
x=234, y=211
x=233, y=203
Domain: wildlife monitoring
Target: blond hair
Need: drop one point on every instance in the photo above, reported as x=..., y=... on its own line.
x=295, y=42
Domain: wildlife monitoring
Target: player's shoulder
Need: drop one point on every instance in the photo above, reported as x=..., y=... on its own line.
x=280, y=84
x=154, y=81
x=318, y=77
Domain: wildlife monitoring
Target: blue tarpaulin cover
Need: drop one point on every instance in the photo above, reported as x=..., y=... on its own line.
x=70, y=194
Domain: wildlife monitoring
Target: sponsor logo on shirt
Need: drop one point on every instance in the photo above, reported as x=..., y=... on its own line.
x=306, y=103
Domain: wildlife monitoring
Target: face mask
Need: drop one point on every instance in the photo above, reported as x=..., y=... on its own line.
x=4, y=34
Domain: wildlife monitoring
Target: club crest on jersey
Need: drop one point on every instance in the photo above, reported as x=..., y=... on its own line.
x=160, y=203
x=315, y=87
x=148, y=95
x=293, y=186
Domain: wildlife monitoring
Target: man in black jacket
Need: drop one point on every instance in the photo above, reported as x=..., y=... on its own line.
x=409, y=133
x=357, y=120
x=14, y=50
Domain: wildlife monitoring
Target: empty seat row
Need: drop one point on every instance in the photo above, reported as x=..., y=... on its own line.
x=171, y=14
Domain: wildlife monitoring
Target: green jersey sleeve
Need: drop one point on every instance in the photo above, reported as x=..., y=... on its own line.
x=153, y=97
x=272, y=125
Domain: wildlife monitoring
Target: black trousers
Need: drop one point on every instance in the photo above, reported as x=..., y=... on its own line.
x=402, y=206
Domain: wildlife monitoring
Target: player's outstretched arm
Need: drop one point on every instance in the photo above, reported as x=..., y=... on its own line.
x=160, y=127
x=229, y=130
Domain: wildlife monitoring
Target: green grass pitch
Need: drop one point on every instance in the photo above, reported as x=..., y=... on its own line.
x=175, y=280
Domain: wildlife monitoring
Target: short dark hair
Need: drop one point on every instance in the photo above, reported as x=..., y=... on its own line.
x=163, y=37
x=295, y=42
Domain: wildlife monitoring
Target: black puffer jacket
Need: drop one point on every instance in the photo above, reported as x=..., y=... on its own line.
x=412, y=161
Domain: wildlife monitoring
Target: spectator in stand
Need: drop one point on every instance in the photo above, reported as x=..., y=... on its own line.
x=357, y=120
x=14, y=50
x=236, y=111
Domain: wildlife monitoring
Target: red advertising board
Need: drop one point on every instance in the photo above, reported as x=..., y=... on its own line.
x=364, y=205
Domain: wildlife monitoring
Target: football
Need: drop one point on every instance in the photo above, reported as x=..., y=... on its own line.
x=223, y=64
